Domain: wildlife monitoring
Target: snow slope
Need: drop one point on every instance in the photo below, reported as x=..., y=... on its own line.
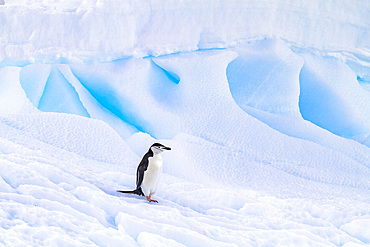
x=264, y=104
x=60, y=190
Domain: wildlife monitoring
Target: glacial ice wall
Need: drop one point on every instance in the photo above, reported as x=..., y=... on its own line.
x=103, y=59
x=105, y=30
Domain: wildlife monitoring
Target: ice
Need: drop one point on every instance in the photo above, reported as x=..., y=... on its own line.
x=332, y=98
x=94, y=108
x=364, y=139
x=264, y=104
x=123, y=86
x=33, y=79
x=56, y=89
x=60, y=96
x=266, y=76
x=107, y=30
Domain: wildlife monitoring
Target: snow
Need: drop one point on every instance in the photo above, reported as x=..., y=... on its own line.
x=265, y=76
x=265, y=105
x=358, y=228
x=338, y=103
x=12, y=97
x=105, y=30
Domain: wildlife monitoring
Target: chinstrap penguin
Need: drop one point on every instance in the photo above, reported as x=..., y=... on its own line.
x=149, y=172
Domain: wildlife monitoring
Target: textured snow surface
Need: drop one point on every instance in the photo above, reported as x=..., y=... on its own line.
x=265, y=104
x=59, y=189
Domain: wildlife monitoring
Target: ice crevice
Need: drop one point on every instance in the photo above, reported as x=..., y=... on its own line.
x=60, y=96
x=171, y=75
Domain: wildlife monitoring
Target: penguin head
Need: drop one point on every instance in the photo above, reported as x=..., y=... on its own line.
x=158, y=148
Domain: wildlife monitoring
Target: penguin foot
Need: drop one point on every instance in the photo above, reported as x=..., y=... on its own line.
x=151, y=200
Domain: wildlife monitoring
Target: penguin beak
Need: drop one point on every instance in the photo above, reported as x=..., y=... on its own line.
x=166, y=148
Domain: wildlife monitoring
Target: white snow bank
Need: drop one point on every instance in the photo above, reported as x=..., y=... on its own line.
x=59, y=31
x=76, y=134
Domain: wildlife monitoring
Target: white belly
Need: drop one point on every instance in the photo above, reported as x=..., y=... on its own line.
x=152, y=175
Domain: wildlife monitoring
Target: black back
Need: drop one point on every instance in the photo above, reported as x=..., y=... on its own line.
x=143, y=166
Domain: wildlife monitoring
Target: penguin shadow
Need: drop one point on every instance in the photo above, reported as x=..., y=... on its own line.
x=113, y=192
x=131, y=196
x=135, y=198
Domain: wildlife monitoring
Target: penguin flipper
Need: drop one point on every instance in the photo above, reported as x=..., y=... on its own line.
x=143, y=166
